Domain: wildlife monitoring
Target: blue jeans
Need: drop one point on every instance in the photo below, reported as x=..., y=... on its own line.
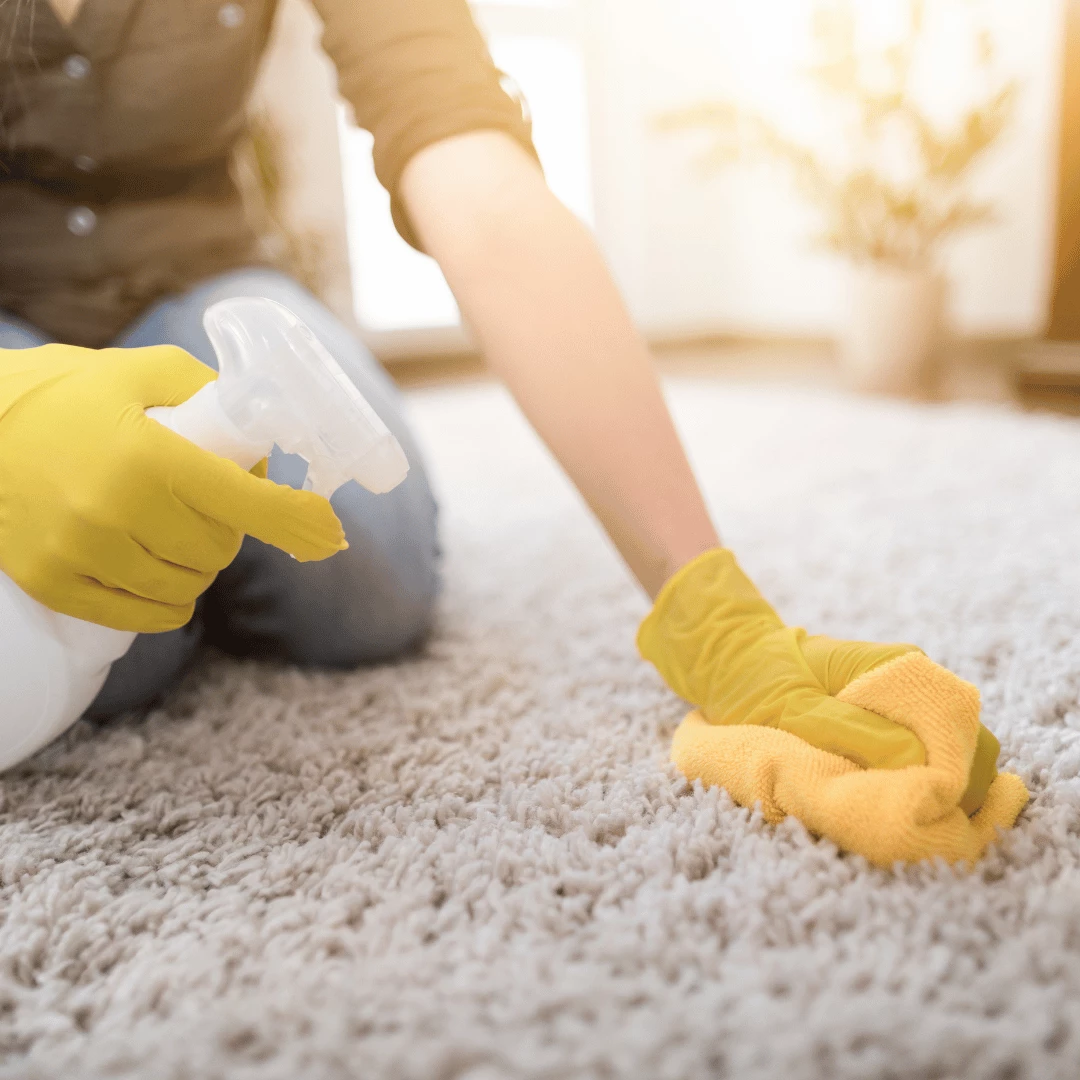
x=372, y=602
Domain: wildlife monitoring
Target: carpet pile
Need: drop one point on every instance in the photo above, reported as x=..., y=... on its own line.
x=477, y=864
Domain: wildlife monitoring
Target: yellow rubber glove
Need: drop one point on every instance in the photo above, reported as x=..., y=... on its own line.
x=718, y=644
x=887, y=816
x=107, y=515
x=837, y=664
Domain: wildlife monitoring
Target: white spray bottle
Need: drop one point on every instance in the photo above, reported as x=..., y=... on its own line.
x=276, y=384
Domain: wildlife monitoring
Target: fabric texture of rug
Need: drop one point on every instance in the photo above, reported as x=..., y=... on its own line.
x=478, y=864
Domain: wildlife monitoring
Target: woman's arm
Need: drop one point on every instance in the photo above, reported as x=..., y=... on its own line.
x=535, y=291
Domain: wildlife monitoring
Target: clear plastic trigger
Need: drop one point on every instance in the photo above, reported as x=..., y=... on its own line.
x=323, y=478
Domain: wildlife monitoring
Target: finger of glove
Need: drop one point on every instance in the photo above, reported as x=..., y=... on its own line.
x=943, y=710
x=120, y=562
x=983, y=770
x=300, y=522
x=188, y=538
x=837, y=663
x=153, y=375
x=91, y=601
x=867, y=739
x=937, y=705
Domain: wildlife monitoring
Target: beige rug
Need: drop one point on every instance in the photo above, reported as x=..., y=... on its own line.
x=477, y=865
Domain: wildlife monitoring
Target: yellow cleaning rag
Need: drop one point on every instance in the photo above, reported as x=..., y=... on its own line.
x=885, y=815
x=874, y=746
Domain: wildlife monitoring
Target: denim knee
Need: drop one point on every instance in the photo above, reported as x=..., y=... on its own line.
x=147, y=670
x=16, y=333
x=369, y=603
x=390, y=570
x=391, y=614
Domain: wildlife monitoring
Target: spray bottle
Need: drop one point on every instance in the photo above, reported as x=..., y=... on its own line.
x=276, y=384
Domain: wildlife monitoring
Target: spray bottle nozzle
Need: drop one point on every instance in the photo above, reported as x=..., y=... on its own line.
x=278, y=384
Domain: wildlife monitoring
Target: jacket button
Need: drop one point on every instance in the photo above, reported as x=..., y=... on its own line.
x=81, y=221
x=231, y=15
x=85, y=163
x=76, y=67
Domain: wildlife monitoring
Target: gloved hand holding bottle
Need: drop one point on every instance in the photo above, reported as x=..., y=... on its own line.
x=125, y=487
x=110, y=517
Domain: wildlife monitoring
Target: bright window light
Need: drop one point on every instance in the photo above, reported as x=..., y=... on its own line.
x=551, y=75
x=395, y=287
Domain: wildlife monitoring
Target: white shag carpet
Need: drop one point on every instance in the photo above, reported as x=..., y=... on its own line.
x=478, y=865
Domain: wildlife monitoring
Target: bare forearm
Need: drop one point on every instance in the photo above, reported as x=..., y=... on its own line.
x=545, y=312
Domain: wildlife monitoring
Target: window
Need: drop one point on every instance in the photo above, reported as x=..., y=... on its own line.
x=399, y=296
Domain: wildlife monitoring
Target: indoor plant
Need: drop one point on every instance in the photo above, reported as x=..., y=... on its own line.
x=896, y=190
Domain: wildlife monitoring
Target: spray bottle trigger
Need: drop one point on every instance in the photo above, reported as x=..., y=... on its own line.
x=323, y=477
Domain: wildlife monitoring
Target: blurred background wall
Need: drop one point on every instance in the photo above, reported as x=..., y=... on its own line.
x=731, y=252
x=718, y=255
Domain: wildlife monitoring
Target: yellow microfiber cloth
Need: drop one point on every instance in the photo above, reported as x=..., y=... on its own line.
x=875, y=747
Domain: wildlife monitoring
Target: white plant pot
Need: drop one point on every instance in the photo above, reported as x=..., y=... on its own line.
x=893, y=327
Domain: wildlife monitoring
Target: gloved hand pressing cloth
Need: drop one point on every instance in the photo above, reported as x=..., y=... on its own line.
x=874, y=746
